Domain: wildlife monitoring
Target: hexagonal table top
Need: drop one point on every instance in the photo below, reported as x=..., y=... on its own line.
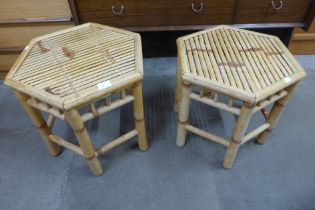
x=69, y=67
x=236, y=62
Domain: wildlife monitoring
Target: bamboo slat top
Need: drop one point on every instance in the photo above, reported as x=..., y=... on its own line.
x=70, y=67
x=243, y=64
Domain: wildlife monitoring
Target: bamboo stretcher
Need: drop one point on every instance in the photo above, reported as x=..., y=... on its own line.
x=91, y=65
x=248, y=68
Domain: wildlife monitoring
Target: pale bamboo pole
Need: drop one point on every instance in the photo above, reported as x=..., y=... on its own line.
x=122, y=94
x=139, y=116
x=177, y=97
x=39, y=122
x=74, y=119
x=183, y=114
x=275, y=114
x=51, y=121
x=238, y=134
x=116, y=142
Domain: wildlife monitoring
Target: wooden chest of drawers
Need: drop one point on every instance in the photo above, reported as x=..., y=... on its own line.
x=262, y=11
x=21, y=20
x=147, y=15
x=150, y=13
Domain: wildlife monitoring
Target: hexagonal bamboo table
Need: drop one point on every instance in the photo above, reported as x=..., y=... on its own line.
x=230, y=66
x=62, y=72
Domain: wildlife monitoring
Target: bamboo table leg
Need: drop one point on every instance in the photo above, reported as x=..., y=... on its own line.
x=74, y=119
x=39, y=122
x=238, y=133
x=177, y=97
x=275, y=114
x=183, y=114
x=139, y=116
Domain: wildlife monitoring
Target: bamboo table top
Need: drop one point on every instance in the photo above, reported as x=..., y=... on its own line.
x=74, y=66
x=246, y=65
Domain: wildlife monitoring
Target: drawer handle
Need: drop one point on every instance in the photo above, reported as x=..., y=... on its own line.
x=197, y=10
x=118, y=12
x=277, y=7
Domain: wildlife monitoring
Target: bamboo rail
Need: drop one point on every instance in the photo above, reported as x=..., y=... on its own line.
x=215, y=103
x=255, y=132
x=206, y=135
x=66, y=144
x=102, y=110
x=116, y=142
x=271, y=100
x=42, y=107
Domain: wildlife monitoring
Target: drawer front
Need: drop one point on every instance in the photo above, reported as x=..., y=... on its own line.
x=18, y=35
x=268, y=11
x=150, y=13
x=6, y=62
x=21, y=10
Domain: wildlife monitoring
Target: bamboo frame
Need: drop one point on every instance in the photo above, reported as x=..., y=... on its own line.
x=39, y=123
x=74, y=119
x=116, y=142
x=104, y=109
x=66, y=144
x=183, y=114
x=139, y=116
x=255, y=132
x=88, y=71
x=206, y=135
x=238, y=134
x=177, y=97
x=250, y=67
x=215, y=103
x=51, y=121
x=275, y=114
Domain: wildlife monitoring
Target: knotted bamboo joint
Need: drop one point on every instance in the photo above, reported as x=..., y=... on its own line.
x=187, y=85
x=90, y=158
x=279, y=104
x=183, y=123
x=139, y=120
x=235, y=141
x=79, y=131
x=42, y=126
x=95, y=113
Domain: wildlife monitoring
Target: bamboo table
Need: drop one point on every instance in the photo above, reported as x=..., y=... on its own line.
x=230, y=66
x=62, y=72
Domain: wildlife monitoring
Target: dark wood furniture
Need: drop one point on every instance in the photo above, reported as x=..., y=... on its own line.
x=165, y=20
x=164, y=15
